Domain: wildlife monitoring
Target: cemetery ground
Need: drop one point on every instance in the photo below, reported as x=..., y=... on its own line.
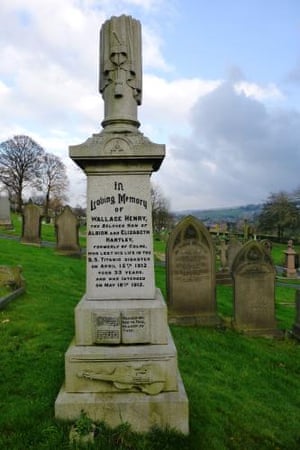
x=244, y=392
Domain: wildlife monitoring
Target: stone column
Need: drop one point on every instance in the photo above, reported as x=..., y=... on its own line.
x=290, y=260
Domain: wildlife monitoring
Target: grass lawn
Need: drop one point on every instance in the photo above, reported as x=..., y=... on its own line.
x=244, y=393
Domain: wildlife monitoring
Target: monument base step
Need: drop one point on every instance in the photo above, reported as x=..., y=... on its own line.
x=194, y=320
x=141, y=411
x=129, y=368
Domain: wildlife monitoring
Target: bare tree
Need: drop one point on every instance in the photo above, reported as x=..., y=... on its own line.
x=20, y=165
x=54, y=181
x=161, y=216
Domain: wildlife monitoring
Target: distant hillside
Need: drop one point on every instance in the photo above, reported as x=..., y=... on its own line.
x=233, y=214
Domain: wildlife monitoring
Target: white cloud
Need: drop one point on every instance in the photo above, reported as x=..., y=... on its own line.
x=238, y=152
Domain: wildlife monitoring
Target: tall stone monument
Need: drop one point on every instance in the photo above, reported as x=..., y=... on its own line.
x=122, y=364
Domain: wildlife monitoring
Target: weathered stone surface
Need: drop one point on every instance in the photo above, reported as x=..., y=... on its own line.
x=290, y=261
x=233, y=247
x=150, y=369
x=67, y=232
x=191, y=279
x=31, y=227
x=254, y=291
x=5, y=216
x=121, y=71
x=141, y=411
x=114, y=322
x=11, y=276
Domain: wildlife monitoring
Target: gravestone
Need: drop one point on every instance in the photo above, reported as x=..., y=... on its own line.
x=296, y=327
x=122, y=364
x=5, y=216
x=191, y=275
x=234, y=245
x=267, y=245
x=290, y=261
x=67, y=232
x=31, y=226
x=254, y=291
x=223, y=276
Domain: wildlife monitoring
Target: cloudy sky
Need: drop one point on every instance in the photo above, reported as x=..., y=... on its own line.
x=221, y=88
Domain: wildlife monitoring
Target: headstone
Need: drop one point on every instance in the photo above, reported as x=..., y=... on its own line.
x=122, y=364
x=296, y=327
x=254, y=291
x=234, y=245
x=290, y=261
x=267, y=245
x=223, y=276
x=31, y=227
x=5, y=216
x=191, y=275
x=67, y=232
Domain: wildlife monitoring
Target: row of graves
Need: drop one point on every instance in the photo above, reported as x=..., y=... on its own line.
x=192, y=279
x=66, y=225
x=66, y=229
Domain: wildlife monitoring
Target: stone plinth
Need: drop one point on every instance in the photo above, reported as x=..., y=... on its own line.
x=141, y=411
x=136, y=368
x=115, y=322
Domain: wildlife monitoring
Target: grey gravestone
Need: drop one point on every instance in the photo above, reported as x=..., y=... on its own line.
x=296, y=327
x=254, y=291
x=5, y=216
x=67, y=232
x=234, y=245
x=31, y=227
x=105, y=376
x=191, y=276
x=267, y=245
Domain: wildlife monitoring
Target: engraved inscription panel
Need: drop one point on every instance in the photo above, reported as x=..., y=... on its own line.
x=107, y=328
x=126, y=327
x=135, y=327
x=119, y=238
